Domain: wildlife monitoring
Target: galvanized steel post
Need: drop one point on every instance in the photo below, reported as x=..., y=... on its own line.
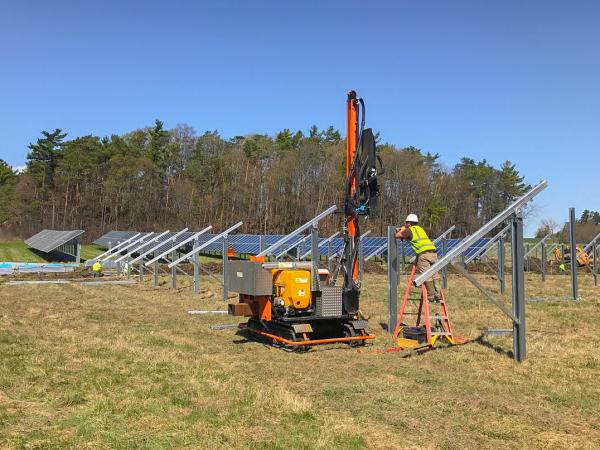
x=543, y=262
x=196, y=269
x=594, y=266
x=262, y=244
x=392, y=269
x=156, y=270
x=445, y=269
x=573, y=249
x=141, y=270
x=501, y=265
x=78, y=251
x=518, y=287
x=225, y=269
x=174, y=270
x=314, y=253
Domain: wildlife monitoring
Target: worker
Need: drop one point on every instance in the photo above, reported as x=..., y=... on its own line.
x=97, y=269
x=425, y=251
x=126, y=269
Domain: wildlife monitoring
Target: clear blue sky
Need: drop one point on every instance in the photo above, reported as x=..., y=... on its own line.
x=495, y=80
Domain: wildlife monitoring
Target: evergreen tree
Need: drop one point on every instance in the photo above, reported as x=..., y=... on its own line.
x=44, y=156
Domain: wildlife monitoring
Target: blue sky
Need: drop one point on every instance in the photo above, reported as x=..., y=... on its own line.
x=496, y=80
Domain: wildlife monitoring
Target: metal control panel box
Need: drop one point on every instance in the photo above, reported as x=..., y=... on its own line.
x=249, y=278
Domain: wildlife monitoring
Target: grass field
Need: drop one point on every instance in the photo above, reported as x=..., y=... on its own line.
x=17, y=251
x=127, y=367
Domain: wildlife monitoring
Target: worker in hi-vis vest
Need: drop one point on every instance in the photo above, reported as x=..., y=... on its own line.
x=424, y=248
x=97, y=269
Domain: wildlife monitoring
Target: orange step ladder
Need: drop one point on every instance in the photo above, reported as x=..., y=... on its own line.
x=430, y=328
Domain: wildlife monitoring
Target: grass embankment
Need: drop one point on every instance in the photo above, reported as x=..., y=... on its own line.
x=127, y=367
x=17, y=251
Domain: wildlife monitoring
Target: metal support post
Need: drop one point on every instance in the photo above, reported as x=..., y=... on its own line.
x=573, y=243
x=518, y=288
x=225, y=269
x=392, y=268
x=361, y=260
x=128, y=265
x=594, y=267
x=156, y=270
x=543, y=262
x=445, y=269
x=141, y=270
x=329, y=256
x=197, y=270
x=501, y=265
x=78, y=251
x=314, y=254
x=174, y=270
x=262, y=243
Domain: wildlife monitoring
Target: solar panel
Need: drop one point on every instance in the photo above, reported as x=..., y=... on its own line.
x=47, y=240
x=113, y=237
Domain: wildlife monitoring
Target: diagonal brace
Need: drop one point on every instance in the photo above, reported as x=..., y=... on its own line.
x=463, y=271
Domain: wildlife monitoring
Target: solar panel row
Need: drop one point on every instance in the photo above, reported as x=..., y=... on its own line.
x=250, y=244
x=48, y=240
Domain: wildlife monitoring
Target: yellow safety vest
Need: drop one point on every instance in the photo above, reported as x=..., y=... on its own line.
x=97, y=267
x=420, y=242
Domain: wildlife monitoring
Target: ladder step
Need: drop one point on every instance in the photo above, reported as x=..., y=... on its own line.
x=440, y=333
x=438, y=317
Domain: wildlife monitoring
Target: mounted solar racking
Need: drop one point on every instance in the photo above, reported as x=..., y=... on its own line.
x=64, y=242
x=514, y=214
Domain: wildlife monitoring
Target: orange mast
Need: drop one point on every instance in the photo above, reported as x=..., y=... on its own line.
x=351, y=139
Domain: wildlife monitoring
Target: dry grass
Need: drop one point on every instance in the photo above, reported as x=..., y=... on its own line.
x=127, y=367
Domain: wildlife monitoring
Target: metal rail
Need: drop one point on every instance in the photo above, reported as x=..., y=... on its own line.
x=298, y=230
x=541, y=242
x=158, y=245
x=488, y=246
x=178, y=245
x=591, y=243
x=135, y=249
x=326, y=241
x=516, y=206
x=116, y=247
x=141, y=239
x=292, y=246
x=206, y=244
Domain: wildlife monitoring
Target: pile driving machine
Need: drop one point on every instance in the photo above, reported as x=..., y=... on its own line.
x=296, y=306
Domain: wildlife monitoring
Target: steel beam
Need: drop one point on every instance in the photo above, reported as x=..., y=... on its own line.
x=518, y=287
x=470, y=240
x=206, y=244
x=483, y=250
x=177, y=245
x=158, y=245
x=141, y=245
x=501, y=265
x=298, y=230
x=321, y=244
x=131, y=244
x=116, y=247
x=573, y=241
x=392, y=269
x=225, y=269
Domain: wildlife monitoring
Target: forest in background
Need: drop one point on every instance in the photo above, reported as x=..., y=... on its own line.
x=156, y=179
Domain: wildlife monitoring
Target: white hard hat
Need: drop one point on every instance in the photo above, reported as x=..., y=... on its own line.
x=412, y=218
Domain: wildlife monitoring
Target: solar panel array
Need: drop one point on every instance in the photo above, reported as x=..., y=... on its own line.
x=48, y=240
x=250, y=244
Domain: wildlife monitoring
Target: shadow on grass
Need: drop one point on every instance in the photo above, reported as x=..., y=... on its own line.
x=482, y=341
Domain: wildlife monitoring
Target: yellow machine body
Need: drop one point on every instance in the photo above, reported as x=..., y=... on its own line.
x=293, y=287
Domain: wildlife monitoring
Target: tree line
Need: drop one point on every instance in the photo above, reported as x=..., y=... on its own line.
x=156, y=179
